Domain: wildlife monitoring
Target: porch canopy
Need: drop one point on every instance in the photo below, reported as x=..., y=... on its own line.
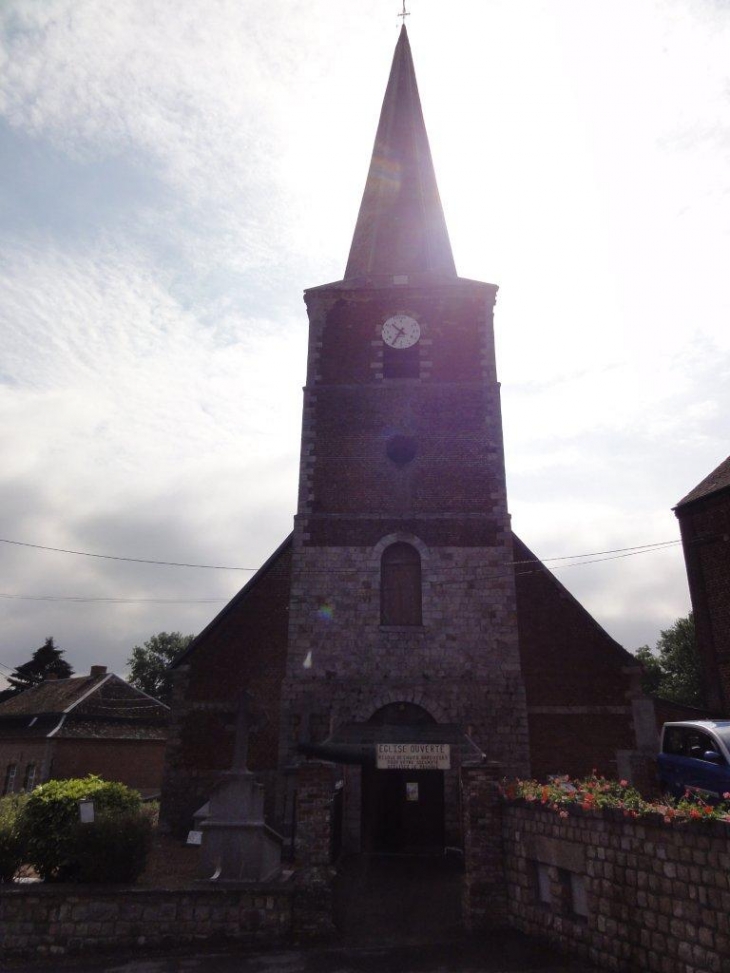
x=356, y=743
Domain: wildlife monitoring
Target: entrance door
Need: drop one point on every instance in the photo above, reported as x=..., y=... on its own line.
x=403, y=810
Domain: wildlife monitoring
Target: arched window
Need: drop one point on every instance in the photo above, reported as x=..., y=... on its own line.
x=400, y=585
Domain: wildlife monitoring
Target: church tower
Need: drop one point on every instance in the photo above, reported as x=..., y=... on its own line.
x=402, y=615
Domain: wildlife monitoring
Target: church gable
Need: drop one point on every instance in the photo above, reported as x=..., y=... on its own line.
x=578, y=680
x=242, y=649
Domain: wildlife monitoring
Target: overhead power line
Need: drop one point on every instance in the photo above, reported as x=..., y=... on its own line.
x=637, y=549
x=115, y=601
x=116, y=557
x=529, y=566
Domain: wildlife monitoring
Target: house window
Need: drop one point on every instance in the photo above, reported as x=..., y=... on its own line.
x=29, y=782
x=400, y=585
x=10, y=779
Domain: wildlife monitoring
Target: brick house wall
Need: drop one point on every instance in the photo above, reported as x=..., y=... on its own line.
x=21, y=754
x=137, y=763
x=705, y=529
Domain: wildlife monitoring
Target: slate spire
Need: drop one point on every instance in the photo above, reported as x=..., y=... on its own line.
x=401, y=227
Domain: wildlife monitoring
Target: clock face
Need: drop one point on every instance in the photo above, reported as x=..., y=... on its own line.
x=401, y=331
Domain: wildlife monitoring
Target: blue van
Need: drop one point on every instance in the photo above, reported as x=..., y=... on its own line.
x=695, y=757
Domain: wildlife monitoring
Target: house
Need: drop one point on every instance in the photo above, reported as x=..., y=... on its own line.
x=704, y=523
x=95, y=724
x=402, y=630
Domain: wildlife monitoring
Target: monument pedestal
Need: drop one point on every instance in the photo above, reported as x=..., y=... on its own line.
x=237, y=845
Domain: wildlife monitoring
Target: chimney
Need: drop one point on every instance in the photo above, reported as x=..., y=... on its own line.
x=49, y=676
x=98, y=671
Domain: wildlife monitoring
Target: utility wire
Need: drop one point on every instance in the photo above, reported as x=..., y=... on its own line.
x=114, y=557
x=535, y=562
x=115, y=601
x=640, y=548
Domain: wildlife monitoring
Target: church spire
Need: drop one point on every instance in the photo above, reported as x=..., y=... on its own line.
x=401, y=227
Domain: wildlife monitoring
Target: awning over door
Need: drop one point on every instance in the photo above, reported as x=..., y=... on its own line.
x=355, y=743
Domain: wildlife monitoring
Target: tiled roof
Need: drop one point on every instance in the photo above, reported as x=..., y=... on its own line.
x=100, y=707
x=52, y=696
x=718, y=480
x=111, y=730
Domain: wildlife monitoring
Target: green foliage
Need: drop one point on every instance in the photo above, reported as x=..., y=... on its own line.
x=44, y=661
x=596, y=793
x=114, y=848
x=11, y=844
x=673, y=671
x=49, y=824
x=149, y=663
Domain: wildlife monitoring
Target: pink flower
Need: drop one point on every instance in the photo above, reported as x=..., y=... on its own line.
x=563, y=814
x=624, y=783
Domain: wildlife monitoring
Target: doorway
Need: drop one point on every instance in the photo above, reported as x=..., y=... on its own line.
x=402, y=810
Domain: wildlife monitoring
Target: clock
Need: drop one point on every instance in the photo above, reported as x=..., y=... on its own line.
x=401, y=331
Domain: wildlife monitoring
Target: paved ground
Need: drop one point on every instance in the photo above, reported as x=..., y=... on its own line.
x=508, y=953
x=398, y=899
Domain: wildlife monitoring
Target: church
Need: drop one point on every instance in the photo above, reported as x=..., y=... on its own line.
x=402, y=630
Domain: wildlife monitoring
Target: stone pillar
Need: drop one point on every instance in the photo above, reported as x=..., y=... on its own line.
x=484, y=890
x=639, y=766
x=312, y=907
x=315, y=793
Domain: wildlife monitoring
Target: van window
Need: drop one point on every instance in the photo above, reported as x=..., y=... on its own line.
x=686, y=741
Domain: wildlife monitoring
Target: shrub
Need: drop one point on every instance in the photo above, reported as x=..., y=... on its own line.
x=49, y=825
x=114, y=848
x=11, y=844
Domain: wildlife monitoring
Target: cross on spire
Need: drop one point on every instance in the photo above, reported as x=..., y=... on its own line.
x=404, y=13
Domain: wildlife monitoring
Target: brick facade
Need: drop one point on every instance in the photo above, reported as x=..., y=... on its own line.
x=243, y=648
x=580, y=683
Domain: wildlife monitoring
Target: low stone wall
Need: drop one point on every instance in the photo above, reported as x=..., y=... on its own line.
x=47, y=920
x=627, y=894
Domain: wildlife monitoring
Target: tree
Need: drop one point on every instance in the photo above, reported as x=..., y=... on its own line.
x=149, y=663
x=44, y=662
x=673, y=671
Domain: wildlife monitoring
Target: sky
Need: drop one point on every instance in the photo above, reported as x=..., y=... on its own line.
x=174, y=174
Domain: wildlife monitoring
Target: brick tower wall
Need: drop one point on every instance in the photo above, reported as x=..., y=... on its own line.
x=449, y=502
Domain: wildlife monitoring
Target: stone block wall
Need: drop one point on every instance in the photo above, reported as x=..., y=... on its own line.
x=53, y=921
x=461, y=665
x=625, y=894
